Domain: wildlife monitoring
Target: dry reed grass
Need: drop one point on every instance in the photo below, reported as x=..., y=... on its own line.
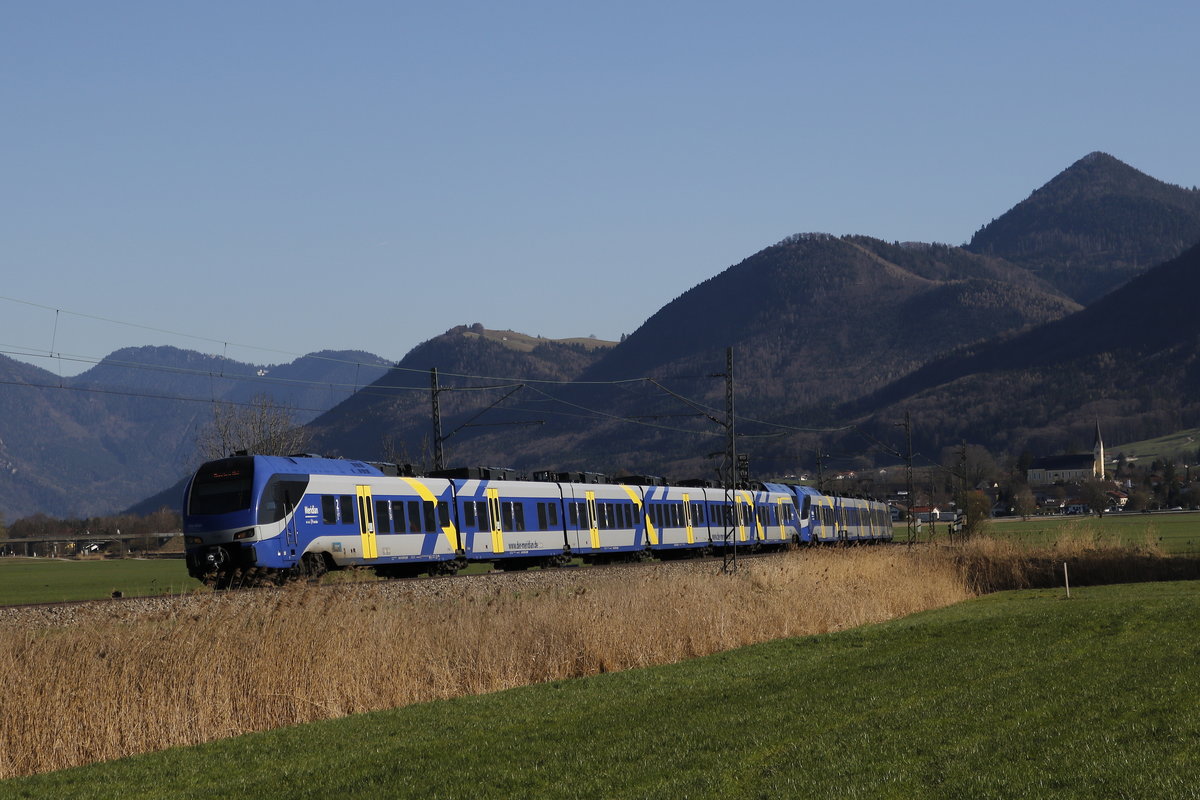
x=1094, y=558
x=217, y=666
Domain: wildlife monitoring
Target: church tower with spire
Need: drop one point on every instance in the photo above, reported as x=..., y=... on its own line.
x=1098, y=454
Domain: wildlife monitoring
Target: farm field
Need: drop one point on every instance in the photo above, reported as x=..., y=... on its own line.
x=1174, y=533
x=1014, y=695
x=51, y=580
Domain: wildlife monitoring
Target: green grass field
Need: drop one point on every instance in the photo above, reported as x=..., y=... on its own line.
x=1175, y=532
x=1015, y=695
x=47, y=580
x=1179, y=445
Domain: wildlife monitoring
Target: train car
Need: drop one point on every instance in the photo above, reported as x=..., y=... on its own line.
x=677, y=518
x=514, y=524
x=605, y=522
x=827, y=519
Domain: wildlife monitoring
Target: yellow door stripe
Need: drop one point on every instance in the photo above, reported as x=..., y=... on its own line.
x=739, y=518
x=493, y=496
x=687, y=518
x=591, y=520
x=366, y=522
x=423, y=492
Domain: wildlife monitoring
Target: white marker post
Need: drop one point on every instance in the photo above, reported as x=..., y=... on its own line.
x=1066, y=580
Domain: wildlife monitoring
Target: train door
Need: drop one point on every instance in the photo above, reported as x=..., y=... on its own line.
x=493, y=497
x=739, y=516
x=781, y=507
x=366, y=522
x=291, y=534
x=593, y=530
x=687, y=518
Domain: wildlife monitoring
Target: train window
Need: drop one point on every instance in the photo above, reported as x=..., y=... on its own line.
x=469, y=514
x=541, y=512
x=506, y=511
x=329, y=509
x=383, y=520
x=573, y=514
x=414, y=516
x=519, y=509
x=221, y=487
x=397, y=516
x=280, y=497
x=443, y=514
x=629, y=523
x=346, y=501
x=552, y=514
x=430, y=516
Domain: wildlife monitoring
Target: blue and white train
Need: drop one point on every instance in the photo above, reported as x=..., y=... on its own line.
x=250, y=520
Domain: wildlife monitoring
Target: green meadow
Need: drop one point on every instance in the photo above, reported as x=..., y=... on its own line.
x=1014, y=695
x=50, y=580
x=1174, y=533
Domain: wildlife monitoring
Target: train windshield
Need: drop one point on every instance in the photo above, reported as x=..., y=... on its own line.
x=221, y=487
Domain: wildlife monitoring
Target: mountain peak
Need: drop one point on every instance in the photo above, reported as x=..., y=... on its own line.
x=1094, y=226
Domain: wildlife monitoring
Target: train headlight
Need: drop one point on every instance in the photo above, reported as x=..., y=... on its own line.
x=194, y=539
x=246, y=534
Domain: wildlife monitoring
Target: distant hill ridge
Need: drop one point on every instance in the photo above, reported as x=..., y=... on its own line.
x=1130, y=360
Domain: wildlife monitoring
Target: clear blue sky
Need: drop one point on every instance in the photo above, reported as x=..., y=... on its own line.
x=298, y=176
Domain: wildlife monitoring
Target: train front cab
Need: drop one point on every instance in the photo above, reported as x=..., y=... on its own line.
x=778, y=514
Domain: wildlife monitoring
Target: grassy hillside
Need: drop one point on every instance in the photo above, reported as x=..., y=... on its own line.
x=1023, y=694
x=1182, y=445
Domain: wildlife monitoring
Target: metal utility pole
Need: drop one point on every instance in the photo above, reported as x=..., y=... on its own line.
x=729, y=563
x=961, y=514
x=912, y=523
x=438, y=455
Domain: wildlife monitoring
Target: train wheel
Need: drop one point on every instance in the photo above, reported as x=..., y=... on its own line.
x=444, y=568
x=313, y=566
